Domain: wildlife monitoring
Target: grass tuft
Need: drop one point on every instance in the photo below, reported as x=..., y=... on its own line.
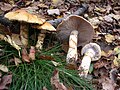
x=37, y=74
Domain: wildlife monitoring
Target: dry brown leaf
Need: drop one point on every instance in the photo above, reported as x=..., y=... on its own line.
x=2, y=37
x=109, y=38
x=41, y=5
x=25, y=56
x=5, y=6
x=100, y=64
x=17, y=61
x=11, y=42
x=107, y=83
x=32, y=53
x=16, y=39
x=55, y=63
x=56, y=82
x=3, y=68
x=44, y=88
x=5, y=81
x=46, y=57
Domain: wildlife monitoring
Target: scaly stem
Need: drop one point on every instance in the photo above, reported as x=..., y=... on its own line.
x=24, y=34
x=72, y=51
x=85, y=66
x=86, y=61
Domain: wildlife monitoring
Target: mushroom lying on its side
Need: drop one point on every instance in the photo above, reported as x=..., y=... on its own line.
x=91, y=52
x=74, y=24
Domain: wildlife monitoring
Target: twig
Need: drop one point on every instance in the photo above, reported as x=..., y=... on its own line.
x=80, y=11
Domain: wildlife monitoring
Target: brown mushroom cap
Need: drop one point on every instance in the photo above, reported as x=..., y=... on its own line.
x=95, y=50
x=74, y=22
x=23, y=15
x=46, y=26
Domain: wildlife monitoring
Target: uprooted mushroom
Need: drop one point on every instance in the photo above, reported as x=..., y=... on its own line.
x=25, y=18
x=75, y=31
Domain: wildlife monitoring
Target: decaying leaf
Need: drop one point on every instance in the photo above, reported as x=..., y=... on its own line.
x=5, y=81
x=11, y=42
x=116, y=60
x=56, y=82
x=46, y=57
x=5, y=6
x=55, y=63
x=44, y=88
x=3, y=68
x=25, y=56
x=109, y=38
x=16, y=39
x=17, y=61
x=2, y=37
x=107, y=83
x=32, y=53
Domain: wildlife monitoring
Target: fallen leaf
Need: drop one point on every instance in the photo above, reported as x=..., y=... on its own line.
x=113, y=75
x=107, y=83
x=55, y=82
x=109, y=38
x=32, y=53
x=116, y=61
x=5, y=81
x=53, y=11
x=44, y=88
x=5, y=6
x=41, y=5
x=25, y=56
x=108, y=19
x=55, y=63
x=17, y=61
x=100, y=64
x=117, y=50
x=16, y=39
x=3, y=68
x=46, y=57
x=71, y=66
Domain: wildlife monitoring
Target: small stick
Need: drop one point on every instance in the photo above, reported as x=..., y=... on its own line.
x=80, y=11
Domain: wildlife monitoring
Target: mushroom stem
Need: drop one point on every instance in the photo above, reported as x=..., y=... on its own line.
x=86, y=61
x=24, y=34
x=92, y=52
x=72, y=51
x=40, y=41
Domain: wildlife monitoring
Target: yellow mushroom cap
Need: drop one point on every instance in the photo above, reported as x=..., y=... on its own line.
x=23, y=15
x=46, y=26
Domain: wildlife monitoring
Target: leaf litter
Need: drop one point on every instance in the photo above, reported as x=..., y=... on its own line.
x=103, y=15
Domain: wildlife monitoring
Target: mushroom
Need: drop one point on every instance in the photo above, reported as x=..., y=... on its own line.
x=25, y=18
x=46, y=27
x=80, y=32
x=91, y=52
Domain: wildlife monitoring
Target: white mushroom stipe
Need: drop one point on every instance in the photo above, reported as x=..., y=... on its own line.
x=72, y=51
x=92, y=52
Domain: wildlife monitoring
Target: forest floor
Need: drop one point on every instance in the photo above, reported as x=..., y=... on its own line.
x=30, y=69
